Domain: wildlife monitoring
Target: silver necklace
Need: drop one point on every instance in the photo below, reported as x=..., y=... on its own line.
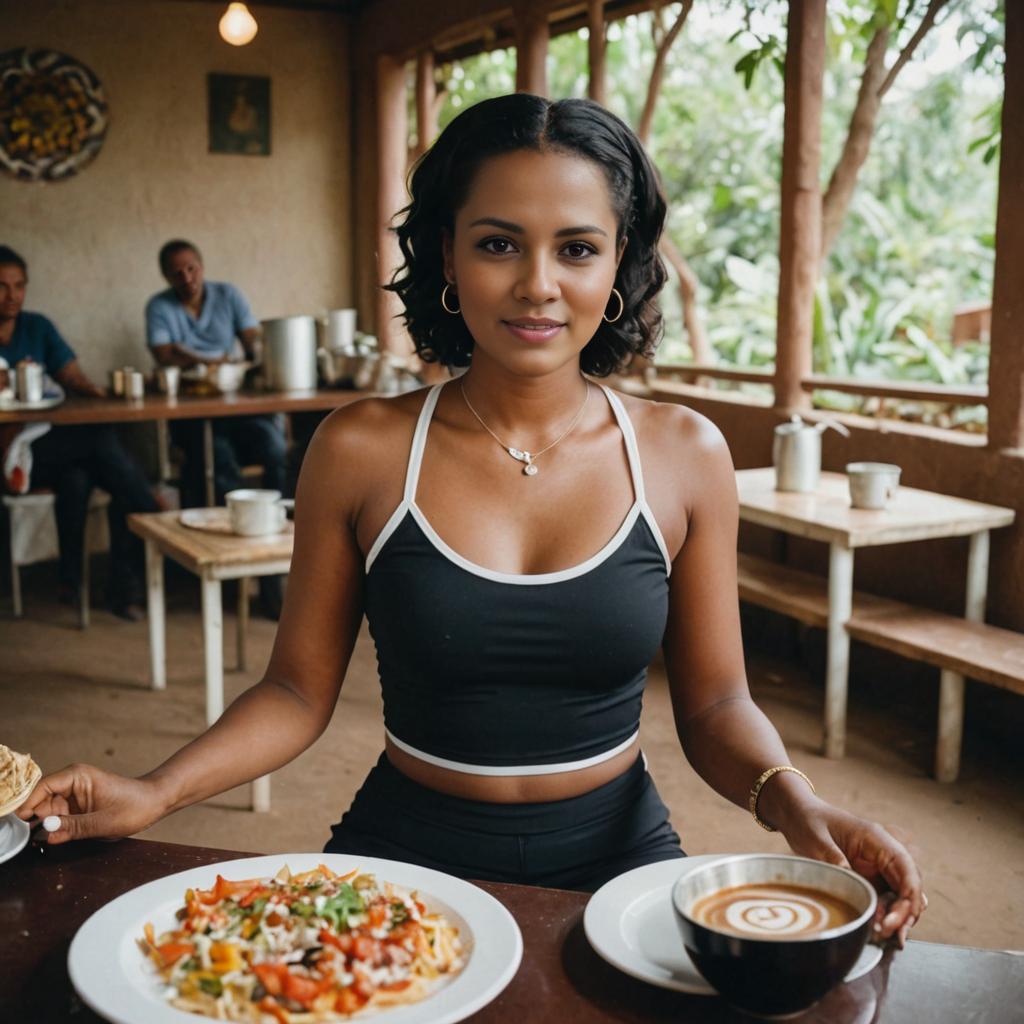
x=527, y=458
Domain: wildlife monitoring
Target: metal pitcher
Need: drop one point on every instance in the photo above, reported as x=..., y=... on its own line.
x=796, y=453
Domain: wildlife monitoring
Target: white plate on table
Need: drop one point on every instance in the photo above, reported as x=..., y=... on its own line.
x=630, y=923
x=114, y=978
x=53, y=395
x=13, y=836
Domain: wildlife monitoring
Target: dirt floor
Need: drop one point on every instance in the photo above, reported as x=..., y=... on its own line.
x=68, y=695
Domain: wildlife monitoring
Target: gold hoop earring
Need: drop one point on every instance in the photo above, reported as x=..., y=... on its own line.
x=622, y=306
x=444, y=304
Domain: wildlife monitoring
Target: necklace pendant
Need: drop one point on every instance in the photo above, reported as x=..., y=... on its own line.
x=522, y=456
x=530, y=469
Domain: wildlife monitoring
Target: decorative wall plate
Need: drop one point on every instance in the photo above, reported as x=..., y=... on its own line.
x=53, y=115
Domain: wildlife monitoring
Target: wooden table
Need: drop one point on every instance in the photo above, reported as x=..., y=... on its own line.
x=46, y=894
x=826, y=515
x=161, y=408
x=213, y=557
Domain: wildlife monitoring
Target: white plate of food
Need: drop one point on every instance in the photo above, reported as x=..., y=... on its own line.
x=130, y=973
x=13, y=836
x=630, y=923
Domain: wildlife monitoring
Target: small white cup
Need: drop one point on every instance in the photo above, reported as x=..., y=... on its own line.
x=872, y=484
x=256, y=513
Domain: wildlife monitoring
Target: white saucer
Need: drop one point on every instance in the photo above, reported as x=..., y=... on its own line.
x=13, y=836
x=630, y=923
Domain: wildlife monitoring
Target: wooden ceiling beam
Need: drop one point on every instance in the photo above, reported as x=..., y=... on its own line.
x=464, y=28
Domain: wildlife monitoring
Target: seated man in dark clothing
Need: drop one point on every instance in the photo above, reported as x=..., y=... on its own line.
x=198, y=321
x=72, y=460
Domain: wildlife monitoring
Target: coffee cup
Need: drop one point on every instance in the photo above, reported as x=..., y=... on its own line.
x=134, y=385
x=256, y=513
x=872, y=484
x=167, y=380
x=773, y=933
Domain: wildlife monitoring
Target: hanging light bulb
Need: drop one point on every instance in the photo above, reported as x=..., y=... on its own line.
x=237, y=25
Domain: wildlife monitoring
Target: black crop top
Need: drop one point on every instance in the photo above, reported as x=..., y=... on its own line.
x=498, y=674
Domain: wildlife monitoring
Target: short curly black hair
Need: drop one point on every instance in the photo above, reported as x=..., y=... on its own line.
x=440, y=184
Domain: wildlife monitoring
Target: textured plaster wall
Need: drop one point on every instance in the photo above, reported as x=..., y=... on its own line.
x=279, y=227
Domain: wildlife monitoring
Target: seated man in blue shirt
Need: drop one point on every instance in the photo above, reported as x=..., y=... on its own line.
x=198, y=321
x=73, y=460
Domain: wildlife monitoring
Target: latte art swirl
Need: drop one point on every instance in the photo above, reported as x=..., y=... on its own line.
x=772, y=911
x=776, y=915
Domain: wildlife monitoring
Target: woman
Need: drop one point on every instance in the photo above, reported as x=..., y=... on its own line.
x=521, y=541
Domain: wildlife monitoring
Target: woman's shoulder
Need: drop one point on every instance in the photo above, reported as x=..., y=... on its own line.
x=374, y=418
x=676, y=430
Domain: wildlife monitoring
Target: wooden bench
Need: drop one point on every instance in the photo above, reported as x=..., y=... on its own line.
x=954, y=645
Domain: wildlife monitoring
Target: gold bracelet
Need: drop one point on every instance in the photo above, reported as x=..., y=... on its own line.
x=755, y=792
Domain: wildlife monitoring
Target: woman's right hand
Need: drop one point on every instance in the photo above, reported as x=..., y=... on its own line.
x=93, y=804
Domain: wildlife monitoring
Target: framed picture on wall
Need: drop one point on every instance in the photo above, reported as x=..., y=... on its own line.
x=239, y=114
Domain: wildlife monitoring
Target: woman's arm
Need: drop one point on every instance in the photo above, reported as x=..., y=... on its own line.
x=279, y=717
x=726, y=737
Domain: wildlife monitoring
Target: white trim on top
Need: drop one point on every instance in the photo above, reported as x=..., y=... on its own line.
x=408, y=504
x=527, y=579
x=645, y=511
x=389, y=528
x=637, y=472
x=505, y=770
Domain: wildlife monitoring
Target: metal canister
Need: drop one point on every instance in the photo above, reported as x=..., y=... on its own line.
x=29, y=381
x=167, y=378
x=135, y=385
x=289, y=353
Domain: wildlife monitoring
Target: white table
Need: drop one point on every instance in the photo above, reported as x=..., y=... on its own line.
x=213, y=557
x=826, y=515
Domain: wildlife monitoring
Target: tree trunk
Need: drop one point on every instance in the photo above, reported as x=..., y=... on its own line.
x=836, y=200
x=596, y=46
x=664, y=44
x=875, y=83
x=692, y=322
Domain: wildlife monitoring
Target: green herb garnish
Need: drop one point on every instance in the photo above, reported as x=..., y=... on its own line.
x=211, y=986
x=345, y=903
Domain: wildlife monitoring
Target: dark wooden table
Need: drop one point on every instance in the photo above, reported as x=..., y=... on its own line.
x=46, y=893
x=76, y=410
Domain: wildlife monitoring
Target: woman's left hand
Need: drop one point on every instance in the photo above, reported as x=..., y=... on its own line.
x=827, y=833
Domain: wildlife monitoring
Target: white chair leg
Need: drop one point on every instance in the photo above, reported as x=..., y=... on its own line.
x=261, y=794
x=156, y=616
x=213, y=640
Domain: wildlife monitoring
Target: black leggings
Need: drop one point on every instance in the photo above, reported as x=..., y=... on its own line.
x=578, y=843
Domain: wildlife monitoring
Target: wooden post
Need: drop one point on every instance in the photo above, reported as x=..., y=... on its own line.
x=597, y=86
x=392, y=152
x=532, y=36
x=426, y=102
x=800, y=227
x=1006, y=366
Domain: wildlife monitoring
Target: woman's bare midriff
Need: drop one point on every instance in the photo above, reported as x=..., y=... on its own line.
x=511, y=789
